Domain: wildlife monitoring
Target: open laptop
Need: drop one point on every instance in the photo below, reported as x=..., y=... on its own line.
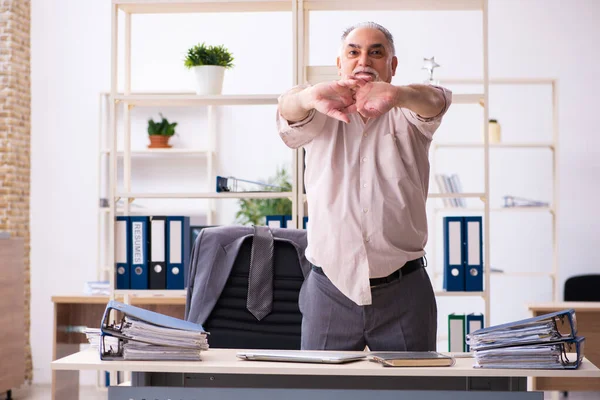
x=322, y=357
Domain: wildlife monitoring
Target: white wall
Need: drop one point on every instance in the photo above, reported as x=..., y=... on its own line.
x=70, y=66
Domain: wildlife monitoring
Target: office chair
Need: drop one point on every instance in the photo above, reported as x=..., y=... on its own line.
x=582, y=288
x=231, y=325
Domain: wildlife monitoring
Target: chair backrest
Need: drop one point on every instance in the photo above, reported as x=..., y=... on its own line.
x=231, y=325
x=582, y=288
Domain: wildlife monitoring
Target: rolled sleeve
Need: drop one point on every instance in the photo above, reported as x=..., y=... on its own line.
x=300, y=133
x=428, y=126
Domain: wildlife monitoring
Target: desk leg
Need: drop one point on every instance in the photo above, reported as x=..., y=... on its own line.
x=65, y=384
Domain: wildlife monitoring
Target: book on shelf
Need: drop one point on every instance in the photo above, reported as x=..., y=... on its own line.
x=450, y=183
x=412, y=359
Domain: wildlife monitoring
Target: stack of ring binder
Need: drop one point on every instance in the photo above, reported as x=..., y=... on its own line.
x=232, y=184
x=548, y=341
x=147, y=336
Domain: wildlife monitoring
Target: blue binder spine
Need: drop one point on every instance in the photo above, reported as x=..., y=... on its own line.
x=139, y=253
x=454, y=267
x=473, y=253
x=123, y=252
x=286, y=218
x=275, y=221
x=178, y=251
x=474, y=323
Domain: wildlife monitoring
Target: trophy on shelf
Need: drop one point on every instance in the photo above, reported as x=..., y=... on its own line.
x=429, y=64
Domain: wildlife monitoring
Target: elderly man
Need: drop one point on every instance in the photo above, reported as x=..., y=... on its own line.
x=367, y=176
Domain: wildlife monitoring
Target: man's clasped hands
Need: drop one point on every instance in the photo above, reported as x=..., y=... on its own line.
x=339, y=99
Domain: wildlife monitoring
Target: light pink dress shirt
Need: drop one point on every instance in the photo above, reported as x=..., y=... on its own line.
x=366, y=188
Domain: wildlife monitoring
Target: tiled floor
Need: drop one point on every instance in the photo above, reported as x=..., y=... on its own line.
x=42, y=392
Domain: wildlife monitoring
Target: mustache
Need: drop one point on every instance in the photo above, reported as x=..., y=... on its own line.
x=368, y=70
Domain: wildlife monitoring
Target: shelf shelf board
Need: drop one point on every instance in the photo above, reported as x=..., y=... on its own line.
x=456, y=195
x=496, y=145
x=444, y=293
x=162, y=152
x=524, y=274
x=407, y=5
x=157, y=211
x=207, y=195
x=196, y=6
x=467, y=98
x=496, y=81
x=496, y=209
x=190, y=99
x=151, y=293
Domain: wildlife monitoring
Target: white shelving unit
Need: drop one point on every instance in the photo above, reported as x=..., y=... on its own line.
x=552, y=146
x=302, y=72
x=128, y=99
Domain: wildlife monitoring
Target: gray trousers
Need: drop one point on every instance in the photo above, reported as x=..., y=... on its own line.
x=402, y=316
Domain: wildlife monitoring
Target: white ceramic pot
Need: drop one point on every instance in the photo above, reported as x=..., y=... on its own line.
x=209, y=79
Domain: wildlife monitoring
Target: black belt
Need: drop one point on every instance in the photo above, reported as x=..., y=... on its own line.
x=406, y=269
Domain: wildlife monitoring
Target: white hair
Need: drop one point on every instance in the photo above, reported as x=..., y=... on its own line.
x=371, y=25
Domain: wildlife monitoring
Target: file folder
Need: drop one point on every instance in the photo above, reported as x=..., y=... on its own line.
x=454, y=268
x=304, y=222
x=554, y=355
x=158, y=253
x=122, y=252
x=139, y=252
x=473, y=254
x=456, y=333
x=178, y=251
x=150, y=335
x=557, y=326
x=474, y=323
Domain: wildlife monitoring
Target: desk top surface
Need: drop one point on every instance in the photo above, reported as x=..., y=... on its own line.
x=103, y=299
x=224, y=361
x=576, y=305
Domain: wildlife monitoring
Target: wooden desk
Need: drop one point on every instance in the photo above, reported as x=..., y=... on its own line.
x=220, y=369
x=588, y=325
x=72, y=312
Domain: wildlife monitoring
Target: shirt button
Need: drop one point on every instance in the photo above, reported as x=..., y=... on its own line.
x=364, y=185
x=367, y=239
x=365, y=210
x=364, y=159
x=364, y=135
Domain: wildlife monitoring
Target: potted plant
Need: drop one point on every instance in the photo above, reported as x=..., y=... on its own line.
x=209, y=64
x=160, y=133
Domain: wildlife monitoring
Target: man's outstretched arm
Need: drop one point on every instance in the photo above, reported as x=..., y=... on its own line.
x=425, y=100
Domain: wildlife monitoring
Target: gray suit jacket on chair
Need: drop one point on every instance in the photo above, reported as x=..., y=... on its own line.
x=212, y=259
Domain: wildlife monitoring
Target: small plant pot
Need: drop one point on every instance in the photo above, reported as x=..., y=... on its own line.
x=209, y=79
x=159, y=142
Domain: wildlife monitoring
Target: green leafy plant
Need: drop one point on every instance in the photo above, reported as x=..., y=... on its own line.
x=254, y=211
x=162, y=128
x=201, y=54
